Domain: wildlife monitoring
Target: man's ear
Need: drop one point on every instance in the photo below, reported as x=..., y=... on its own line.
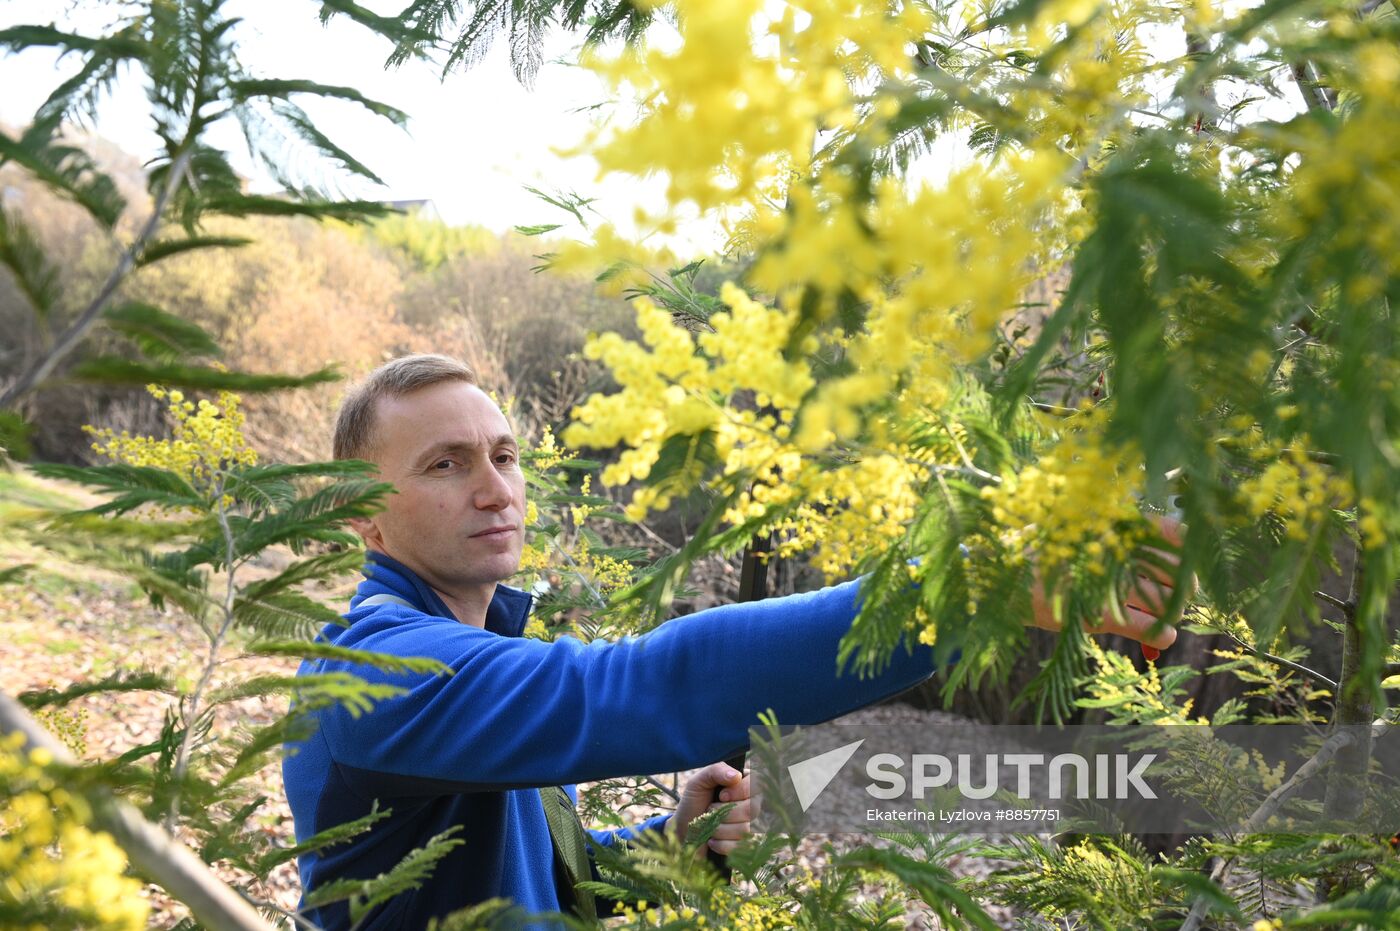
x=368, y=531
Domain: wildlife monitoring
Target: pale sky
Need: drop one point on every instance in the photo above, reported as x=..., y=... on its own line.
x=474, y=140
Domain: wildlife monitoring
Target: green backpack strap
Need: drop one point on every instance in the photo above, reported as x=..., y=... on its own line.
x=566, y=831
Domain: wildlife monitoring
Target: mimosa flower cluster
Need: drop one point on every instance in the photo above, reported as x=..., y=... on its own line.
x=731, y=117
x=561, y=552
x=1078, y=499
x=1350, y=163
x=206, y=439
x=677, y=385
x=50, y=859
x=736, y=106
x=725, y=911
x=871, y=294
x=1293, y=489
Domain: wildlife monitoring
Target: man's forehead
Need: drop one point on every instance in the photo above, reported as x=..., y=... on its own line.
x=454, y=413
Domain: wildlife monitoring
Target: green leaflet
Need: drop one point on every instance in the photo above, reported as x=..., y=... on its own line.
x=160, y=335
x=68, y=171
x=386, y=662
x=409, y=874
x=112, y=370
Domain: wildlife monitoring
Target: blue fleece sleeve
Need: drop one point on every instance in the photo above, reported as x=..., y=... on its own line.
x=610, y=837
x=522, y=712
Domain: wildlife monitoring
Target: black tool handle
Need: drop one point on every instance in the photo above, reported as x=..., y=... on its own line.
x=753, y=586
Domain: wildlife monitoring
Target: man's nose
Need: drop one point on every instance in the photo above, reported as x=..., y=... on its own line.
x=493, y=492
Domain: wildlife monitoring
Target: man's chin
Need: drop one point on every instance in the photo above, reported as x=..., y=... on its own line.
x=497, y=567
x=487, y=569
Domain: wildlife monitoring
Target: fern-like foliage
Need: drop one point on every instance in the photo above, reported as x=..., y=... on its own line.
x=186, y=55
x=523, y=24
x=116, y=682
x=407, y=875
x=491, y=915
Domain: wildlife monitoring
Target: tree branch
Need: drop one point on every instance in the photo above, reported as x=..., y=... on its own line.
x=216, y=642
x=968, y=465
x=1345, y=791
x=661, y=786
x=1059, y=410
x=1266, y=810
x=153, y=853
x=1316, y=95
x=1353, y=708
x=69, y=339
x=1203, y=120
x=1348, y=608
x=1286, y=663
x=293, y=917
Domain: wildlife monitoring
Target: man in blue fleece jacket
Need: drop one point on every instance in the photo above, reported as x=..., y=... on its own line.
x=472, y=751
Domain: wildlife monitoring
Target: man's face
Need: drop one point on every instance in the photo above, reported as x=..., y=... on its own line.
x=458, y=517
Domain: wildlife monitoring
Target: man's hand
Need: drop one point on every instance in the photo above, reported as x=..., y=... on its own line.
x=696, y=800
x=1143, y=606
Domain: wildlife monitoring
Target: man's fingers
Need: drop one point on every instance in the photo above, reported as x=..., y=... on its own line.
x=1171, y=529
x=728, y=834
x=1143, y=607
x=742, y=811
x=736, y=792
x=736, y=831
x=1149, y=596
x=1138, y=623
x=1161, y=563
x=1041, y=615
x=717, y=785
x=1159, y=566
x=712, y=777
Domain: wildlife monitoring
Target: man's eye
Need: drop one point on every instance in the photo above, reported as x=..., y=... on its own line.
x=443, y=465
x=505, y=458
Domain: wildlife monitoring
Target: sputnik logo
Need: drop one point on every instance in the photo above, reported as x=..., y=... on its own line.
x=811, y=777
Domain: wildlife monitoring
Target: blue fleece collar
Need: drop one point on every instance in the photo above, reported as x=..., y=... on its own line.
x=506, y=615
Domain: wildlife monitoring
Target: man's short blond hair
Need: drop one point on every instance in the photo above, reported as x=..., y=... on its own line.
x=354, y=425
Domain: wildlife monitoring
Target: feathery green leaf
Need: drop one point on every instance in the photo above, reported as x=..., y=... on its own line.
x=159, y=335
x=408, y=874
x=69, y=171
x=116, y=682
x=165, y=248
x=386, y=662
x=23, y=255
x=116, y=371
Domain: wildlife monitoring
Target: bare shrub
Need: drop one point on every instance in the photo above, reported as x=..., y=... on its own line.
x=522, y=330
x=331, y=302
